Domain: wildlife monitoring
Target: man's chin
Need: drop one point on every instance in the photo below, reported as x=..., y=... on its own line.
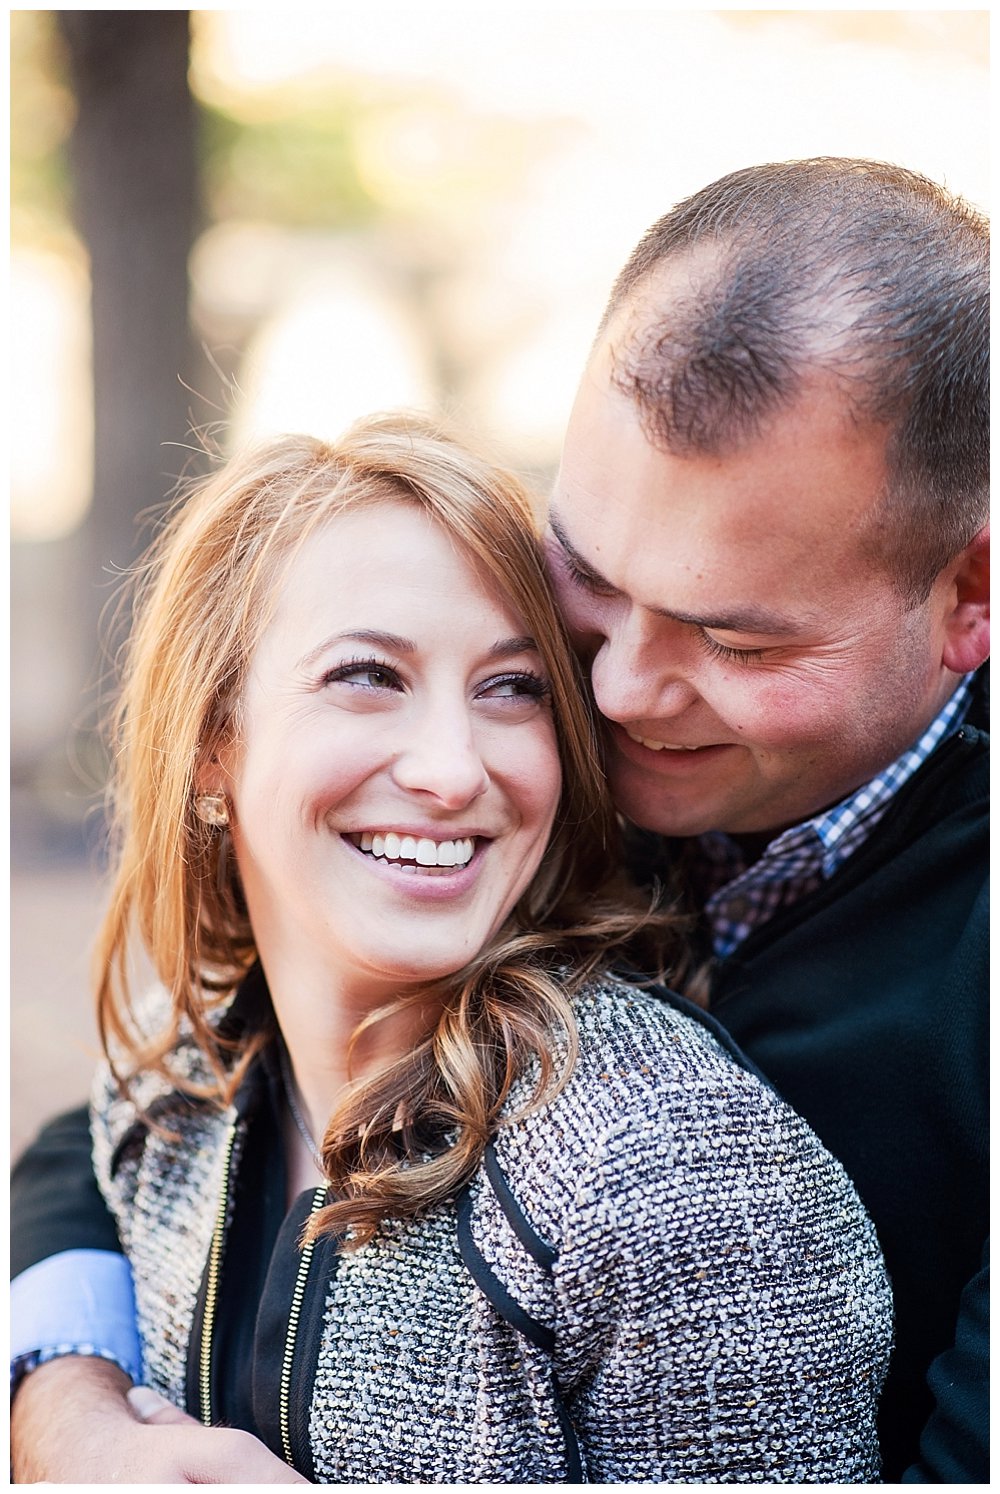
x=649, y=806
x=652, y=807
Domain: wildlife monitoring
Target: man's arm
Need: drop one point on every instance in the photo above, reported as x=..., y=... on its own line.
x=72, y=1291
x=71, y=1419
x=77, y=1302
x=55, y=1201
x=954, y=1445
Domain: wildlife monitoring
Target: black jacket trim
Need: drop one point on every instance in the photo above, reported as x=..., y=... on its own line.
x=539, y=1250
x=574, y=1459
x=500, y=1299
x=492, y=1287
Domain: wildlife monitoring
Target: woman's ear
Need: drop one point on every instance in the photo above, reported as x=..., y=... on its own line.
x=213, y=776
x=967, y=626
x=212, y=798
x=210, y=776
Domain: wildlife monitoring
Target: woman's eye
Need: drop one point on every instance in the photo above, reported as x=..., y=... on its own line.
x=364, y=674
x=515, y=687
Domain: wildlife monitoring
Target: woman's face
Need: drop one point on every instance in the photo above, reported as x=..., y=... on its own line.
x=396, y=774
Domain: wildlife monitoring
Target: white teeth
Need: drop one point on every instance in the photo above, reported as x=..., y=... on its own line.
x=425, y=852
x=657, y=746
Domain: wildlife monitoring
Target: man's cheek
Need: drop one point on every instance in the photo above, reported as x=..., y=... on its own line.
x=777, y=713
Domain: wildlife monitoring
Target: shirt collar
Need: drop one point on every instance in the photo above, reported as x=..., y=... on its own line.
x=841, y=828
x=832, y=826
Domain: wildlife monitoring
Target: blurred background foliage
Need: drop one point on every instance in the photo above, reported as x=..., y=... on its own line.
x=41, y=117
x=228, y=223
x=319, y=155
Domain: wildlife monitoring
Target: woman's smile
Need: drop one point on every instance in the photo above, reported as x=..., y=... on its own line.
x=417, y=852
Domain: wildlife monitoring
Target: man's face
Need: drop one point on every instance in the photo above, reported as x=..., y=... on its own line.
x=752, y=664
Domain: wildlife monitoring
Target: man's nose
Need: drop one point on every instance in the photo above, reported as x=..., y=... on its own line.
x=441, y=758
x=639, y=673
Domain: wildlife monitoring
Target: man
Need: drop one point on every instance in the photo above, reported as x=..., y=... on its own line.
x=768, y=535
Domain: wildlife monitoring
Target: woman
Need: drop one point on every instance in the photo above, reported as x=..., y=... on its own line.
x=414, y=1190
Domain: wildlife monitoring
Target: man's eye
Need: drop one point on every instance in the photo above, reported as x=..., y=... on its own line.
x=585, y=580
x=733, y=655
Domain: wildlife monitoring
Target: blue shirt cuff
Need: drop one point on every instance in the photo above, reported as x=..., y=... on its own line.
x=76, y=1302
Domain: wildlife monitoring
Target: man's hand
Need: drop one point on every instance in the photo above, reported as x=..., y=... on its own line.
x=76, y=1421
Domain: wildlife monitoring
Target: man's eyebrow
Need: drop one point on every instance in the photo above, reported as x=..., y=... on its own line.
x=504, y=648
x=741, y=619
x=584, y=567
x=749, y=619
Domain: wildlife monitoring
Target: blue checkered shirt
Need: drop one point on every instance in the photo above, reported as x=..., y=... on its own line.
x=743, y=897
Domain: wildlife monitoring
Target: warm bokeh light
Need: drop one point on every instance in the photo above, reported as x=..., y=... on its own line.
x=500, y=164
x=329, y=354
x=49, y=401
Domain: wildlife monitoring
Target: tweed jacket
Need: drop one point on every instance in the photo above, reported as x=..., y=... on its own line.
x=659, y=1275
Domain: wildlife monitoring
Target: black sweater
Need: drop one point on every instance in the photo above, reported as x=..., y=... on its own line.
x=865, y=1005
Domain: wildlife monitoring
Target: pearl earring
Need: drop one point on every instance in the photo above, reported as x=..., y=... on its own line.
x=212, y=809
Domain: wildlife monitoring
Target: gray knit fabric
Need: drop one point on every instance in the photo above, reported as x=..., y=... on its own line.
x=719, y=1302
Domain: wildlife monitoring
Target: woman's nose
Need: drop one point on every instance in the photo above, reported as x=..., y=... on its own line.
x=441, y=758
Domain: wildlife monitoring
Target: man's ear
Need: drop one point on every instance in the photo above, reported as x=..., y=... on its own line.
x=967, y=626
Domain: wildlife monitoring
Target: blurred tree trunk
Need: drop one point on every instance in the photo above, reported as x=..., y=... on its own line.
x=134, y=168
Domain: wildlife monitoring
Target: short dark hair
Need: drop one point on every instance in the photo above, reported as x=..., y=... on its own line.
x=857, y=267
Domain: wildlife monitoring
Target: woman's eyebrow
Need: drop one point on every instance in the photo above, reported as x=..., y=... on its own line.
x=374, y=637
x=507, y=647
x=393, y=643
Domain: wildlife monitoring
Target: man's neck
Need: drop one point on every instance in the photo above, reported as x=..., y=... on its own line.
x=754, y=845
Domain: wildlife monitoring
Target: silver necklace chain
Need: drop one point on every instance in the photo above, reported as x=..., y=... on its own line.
x=293, y=1106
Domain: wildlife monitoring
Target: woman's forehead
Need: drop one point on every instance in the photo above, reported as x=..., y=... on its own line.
x=384, y=567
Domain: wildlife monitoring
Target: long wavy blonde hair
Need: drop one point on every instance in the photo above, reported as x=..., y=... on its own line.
x=205, y=592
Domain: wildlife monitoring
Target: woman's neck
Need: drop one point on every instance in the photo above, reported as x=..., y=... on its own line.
x=318, y=1022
